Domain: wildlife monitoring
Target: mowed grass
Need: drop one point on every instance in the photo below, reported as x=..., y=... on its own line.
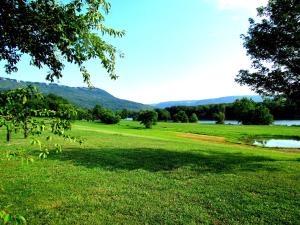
x=171, y=174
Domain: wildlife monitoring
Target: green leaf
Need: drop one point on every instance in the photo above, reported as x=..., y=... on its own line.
x=24, y=99
x=7, y=218
x=20, y=219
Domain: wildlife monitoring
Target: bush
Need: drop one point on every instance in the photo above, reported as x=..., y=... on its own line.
x=148, y=118
x=105, y=115
x=262, y=116
x=181, y=117
x=109, y=118
x=249, y=112
x=219, y=117
x=194, y=118
x=123, y=114
x=163, y=115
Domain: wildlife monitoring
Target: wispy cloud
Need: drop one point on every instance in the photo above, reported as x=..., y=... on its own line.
x=250, y=5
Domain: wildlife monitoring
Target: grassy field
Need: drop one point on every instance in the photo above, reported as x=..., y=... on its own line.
x=171, y=174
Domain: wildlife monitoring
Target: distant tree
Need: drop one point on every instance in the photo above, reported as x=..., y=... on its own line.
x=53, y=32
x=282, y=108
x=248, y=112
x=84, y=114
x=262, y=115
x=244, y=110
x=105, y=115
x=148, y=118
x=181, y=117
x=219, y=117
x=193, y=118
x=109, y=117
x=163, y=115
x=53, y=101
x=123, y=114
x=97, y=112
x=273, y=43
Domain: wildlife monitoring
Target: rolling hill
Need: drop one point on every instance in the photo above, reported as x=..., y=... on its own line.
x=228, y=99
x=79, y=96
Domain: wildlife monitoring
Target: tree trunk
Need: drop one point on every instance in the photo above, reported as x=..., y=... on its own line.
x=8, y=135
x=25, y=130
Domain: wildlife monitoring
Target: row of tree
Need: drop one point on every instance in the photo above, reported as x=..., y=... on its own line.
x=278, y=108
x=244, y=110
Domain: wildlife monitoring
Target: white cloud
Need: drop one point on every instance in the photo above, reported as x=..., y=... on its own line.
x=250, y=5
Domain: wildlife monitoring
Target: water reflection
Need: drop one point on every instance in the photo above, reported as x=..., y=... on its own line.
x=278, y=143
x=276, y=122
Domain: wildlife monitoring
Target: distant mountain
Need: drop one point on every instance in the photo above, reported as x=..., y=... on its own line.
x=221, y=100
x=79, y=96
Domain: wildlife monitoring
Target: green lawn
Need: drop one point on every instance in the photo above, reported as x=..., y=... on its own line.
x=125, y=174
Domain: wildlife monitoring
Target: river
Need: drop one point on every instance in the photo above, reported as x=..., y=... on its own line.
x=276, y=122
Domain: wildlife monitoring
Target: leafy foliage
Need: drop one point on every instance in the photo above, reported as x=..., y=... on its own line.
x=181, y=117
x=148, y=118
x=17, y=114
x=124, y=113
x=105, y=115
x=52, y=32
x=163, y=115
x=8, y=218
x=251, y=113
x=273, y=44
x=219, y=117
x=193, y=118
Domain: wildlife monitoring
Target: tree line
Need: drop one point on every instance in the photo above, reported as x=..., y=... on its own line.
x=243, y=110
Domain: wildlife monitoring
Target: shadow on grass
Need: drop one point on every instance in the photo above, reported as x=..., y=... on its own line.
x=155, y=160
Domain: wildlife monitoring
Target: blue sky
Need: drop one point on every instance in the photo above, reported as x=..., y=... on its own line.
x=174, y=50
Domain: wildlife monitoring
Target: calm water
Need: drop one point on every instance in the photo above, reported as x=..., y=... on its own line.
x=276, y=122
x=279, y=143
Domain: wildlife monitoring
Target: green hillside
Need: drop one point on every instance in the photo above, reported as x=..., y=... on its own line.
x=79, y=96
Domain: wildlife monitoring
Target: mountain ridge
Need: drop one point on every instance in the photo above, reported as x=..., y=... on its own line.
x=79, y=96
x=209, y=101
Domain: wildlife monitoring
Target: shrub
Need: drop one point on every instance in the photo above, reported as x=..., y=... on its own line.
x=109, y=118
x=105, y=115
x=219, y=117
x=148, y=118
x=249, y=112
x=181, y=117
x=194, y=118
x=262, y=116
x=163, y=114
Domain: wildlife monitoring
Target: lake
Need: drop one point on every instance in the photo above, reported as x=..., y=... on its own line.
x=276, y=122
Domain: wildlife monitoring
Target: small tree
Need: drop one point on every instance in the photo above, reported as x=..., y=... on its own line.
x=16, y=115
x=15, y=110
x=249, y=112
x=244, y=110
x=219, y=117
x=194, y=118
x=123, y=114
x=181, y=117
x=105, y=115
x=262, y=115
x=163, y=114
x=148, y=118
x=108, y=117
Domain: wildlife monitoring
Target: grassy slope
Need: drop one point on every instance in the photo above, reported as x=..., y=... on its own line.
x=129, y=175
